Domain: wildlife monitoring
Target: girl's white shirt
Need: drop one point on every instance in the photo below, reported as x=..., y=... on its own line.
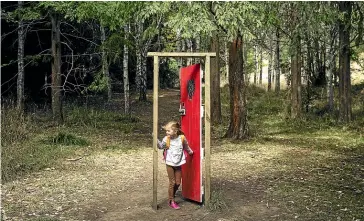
x=175, y=155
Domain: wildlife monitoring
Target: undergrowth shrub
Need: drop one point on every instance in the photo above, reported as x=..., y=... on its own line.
x=15, y=125
x=67, y=139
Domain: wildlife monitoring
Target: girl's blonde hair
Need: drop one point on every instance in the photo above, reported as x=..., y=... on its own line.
x=174, y=125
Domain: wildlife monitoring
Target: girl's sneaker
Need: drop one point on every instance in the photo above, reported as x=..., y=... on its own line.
x=174, y=205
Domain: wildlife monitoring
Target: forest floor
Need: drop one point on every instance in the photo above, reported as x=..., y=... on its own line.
x=312, y=173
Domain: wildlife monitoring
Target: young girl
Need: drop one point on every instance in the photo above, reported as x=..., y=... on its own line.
x=174, y=144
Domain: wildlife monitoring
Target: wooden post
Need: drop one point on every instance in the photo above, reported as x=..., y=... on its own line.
x=207, y=133
x=155, y=130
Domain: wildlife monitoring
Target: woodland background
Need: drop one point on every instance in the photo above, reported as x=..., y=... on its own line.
x=72, y=70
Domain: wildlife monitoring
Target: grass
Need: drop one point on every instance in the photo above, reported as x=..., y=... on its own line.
x=217, y=202
x=16, y=126
x=31, y=142
x=100, y=119
x=67, y=139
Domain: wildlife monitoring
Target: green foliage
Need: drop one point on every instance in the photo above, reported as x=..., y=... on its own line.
x=114, y=46
x=67, y=139
x=99, y=85
x=28, y=12
x=191, y=18
x=168, y=73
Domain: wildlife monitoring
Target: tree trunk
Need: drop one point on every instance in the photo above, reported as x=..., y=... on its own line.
x=126, y=72
x=20, y=79
x=330, y=71
x=105, y=65
x=255, y=64
x=225, y=78
x=197, y=60
x=277, y=64
x=141, y=75
x=295, y=69
x=317, y=58
x=215, y=81
x=344, y=62
x=138, y=77
x=270, y=65
x=180, y=59
x=296, y=100
x=183, y=49
x=245, y=61
x=309, y=71
x=143, y=96
x=238, y=127
x=56, y=70
x=260, y=65
x=190, y=49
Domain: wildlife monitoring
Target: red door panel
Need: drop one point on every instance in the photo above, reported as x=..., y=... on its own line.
x=191, y=126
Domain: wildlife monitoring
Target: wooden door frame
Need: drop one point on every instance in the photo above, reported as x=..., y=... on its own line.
x=207, y=116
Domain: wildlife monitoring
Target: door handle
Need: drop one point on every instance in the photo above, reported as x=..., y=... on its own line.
x=182, y=109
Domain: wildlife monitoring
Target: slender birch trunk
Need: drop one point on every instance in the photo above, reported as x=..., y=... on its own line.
x=126, y=72
x=245, y=61
x=21, y=73
x=140, y=73
x=309, y=71
x=330, y=71
x=183, y=49
x=105, y=65
x=197, y=60
x=277, y=63
x=255, y=64
x=270, y=65
x=189, y=48
x=224, y=78
x=260, y=66
x=179, y=60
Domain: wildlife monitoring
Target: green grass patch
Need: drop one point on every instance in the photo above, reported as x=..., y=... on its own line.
x=23, y=151
x=67, y=139
x=101, y=119
x=19, y=160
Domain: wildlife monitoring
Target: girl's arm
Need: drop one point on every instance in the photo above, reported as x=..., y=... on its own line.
x=187, y=147
x=162, y=144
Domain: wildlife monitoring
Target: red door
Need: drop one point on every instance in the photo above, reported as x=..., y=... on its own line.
x=191, y=126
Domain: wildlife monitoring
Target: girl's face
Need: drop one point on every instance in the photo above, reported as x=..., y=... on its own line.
x=170, y=132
